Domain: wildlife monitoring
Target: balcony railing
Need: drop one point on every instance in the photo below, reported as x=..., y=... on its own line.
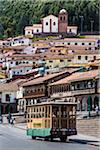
x=84, y=91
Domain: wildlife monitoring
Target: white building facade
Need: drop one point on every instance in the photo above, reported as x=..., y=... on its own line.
x=50, y=24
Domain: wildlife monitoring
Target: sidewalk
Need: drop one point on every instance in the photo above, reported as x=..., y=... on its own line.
x=21, y=126
x=85, y=139
x=79, y=138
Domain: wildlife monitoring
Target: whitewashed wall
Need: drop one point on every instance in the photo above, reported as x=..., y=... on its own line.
x=54, y=28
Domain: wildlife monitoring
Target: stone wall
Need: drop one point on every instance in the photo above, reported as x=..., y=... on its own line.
x=89, y=126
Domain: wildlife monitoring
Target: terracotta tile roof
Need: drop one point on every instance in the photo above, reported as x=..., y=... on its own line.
x=37, y=25
x=49, y=16
x=86, y=52
x=8, y=87
x=41, y=79
x=29, y=28
x=80, y=39
x=95, y=63
x=11, y=86
x=78, y=76
x=22, y=66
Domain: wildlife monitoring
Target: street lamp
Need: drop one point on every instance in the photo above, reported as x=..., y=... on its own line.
x=92, y=21
x=81, y=23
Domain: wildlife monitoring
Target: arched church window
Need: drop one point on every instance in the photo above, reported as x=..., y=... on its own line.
x=60, y=18
x=54, y=23
x=46, y=23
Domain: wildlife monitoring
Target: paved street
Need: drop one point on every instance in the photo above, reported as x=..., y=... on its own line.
x=12, y=138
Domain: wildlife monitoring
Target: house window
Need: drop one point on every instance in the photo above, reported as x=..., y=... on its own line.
x=46, y=23
x=83, y=44
x=89, y=43
x=28, y=32
x=61, y=60
x=79, y=57
x=64, y=17
x=8, y=97
x=16, y=62
x=37, y=30
x=89, y=84
x=94, y=57
x=60, y=18
x=68, y=43
x=22, y=41
x=70, y=30
x=54, y=23
x=38, y=90
x=69, y=60
x=75, y=43
x=50, y=61
x=86, y=57
x=78, y=86
x=59, y=51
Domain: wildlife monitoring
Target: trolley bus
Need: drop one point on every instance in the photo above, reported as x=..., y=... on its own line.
x=50, y=120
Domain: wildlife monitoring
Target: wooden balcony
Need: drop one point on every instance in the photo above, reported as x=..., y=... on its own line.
x=33, y=95
x=83, y=92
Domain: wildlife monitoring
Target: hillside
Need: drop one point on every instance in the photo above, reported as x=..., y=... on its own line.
x=16, y=14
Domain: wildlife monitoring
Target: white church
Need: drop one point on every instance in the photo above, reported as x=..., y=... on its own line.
x=52, y=25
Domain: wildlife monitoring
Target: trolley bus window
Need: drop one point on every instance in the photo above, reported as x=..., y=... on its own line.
x=55, y=117
x=72, y=117
x=64, y=116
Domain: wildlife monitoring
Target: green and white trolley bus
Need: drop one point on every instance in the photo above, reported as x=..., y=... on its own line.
x=51, y=120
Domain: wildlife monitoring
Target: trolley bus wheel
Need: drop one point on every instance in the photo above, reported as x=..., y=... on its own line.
x=33, y=137
x=46, y=139
x=63, y=139
x=51, y=139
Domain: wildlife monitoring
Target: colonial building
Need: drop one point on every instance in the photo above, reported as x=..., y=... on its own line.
x=8, y=96
x=52, y=24
x=81, y=87
x=36, y=90
x=17, y=41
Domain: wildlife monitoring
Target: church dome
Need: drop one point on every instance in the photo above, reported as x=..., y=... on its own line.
x=62, y=11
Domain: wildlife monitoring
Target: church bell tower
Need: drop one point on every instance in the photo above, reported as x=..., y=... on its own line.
x=62, y=21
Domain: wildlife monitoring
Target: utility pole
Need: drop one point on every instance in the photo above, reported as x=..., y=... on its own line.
x=92, y=21
x=81, y=23
x=89, y=107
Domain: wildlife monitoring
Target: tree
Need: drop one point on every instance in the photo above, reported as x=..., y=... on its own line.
x=15, y=15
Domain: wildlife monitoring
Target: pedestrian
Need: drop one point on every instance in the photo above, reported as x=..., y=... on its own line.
x=12, y=121
x=8, y=118
x=97, y=110
x=1, y=119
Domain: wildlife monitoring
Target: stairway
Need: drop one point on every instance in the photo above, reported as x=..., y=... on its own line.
x=89, y=126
